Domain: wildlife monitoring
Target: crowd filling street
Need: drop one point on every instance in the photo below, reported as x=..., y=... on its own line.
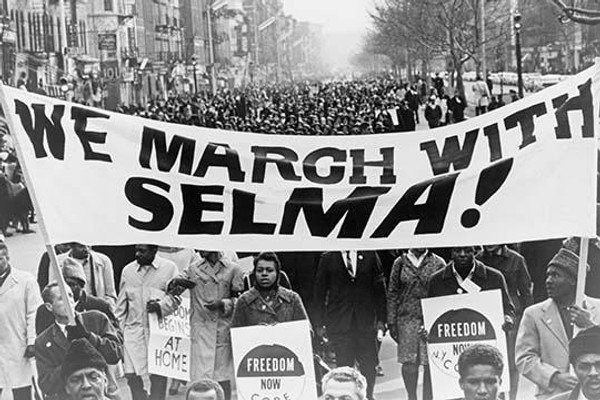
x=352, y=298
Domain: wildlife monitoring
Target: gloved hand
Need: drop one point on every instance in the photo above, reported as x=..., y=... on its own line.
x=423, y=334
x=393, y=332
x=321, y=332
x=77, y=331
x=179, y=285
x=30, y=351
x=215, y=305
x=184, y=283
x=153, y=307
x=508, y=324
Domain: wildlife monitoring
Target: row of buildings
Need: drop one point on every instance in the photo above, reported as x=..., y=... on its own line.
x=141, y=49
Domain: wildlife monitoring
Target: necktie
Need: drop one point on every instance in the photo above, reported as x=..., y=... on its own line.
x=349, y=264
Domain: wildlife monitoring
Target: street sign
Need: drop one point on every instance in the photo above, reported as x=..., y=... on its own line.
x=107, y=41
x=110, y=70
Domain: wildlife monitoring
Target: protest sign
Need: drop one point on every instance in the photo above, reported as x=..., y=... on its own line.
x=455, y=323
x=274, y=362
x=526, y=171
x=170, y=344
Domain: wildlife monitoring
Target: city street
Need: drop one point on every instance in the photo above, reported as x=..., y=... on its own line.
x=284, y=130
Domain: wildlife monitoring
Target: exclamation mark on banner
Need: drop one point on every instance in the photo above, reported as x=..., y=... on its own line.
x=490, y=181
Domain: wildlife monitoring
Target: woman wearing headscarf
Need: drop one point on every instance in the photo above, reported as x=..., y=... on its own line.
x=267, y=302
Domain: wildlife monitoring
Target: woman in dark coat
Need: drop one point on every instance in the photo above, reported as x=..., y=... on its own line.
x=433, y=113
x=267, y=302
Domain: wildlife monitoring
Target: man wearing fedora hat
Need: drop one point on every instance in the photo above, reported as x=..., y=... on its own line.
x=584, y=355
x=542, y=346
x=84, y=372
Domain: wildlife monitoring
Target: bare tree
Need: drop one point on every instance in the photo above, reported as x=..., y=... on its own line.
x=439, y=27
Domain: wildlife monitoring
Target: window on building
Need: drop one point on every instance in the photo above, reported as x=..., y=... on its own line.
x=108, y=5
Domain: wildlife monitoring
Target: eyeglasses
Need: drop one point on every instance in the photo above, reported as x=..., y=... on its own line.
x=586, y=367
x=91, y=377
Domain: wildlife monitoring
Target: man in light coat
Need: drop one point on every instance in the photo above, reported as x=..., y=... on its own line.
x=98, y=268
x=214, y=282
x=482, y=96
x=19, y=300
x=143, y=290
x=542, y=348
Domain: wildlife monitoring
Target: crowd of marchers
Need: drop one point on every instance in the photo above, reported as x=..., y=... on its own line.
x=351, y=299
x=353, y=107
x=333, y=108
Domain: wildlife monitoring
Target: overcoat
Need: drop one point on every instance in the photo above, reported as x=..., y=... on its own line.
x=211, y=355
x=99, y=273
x=138, y=285
x=542, y=346
x=19, y=300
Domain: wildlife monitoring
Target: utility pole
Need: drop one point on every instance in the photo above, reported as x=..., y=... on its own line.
x=518, y=26
x=483, y=61
x=63, y=35
x=256, y=35
x=211, y=51
x=277, y=50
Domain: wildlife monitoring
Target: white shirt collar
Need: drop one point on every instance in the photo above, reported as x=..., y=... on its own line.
x=416, y=261
x=62, y=327
x=459, y=278
x=353, y=259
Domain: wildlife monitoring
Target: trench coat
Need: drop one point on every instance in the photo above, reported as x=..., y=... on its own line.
x=100, y=279
x=138, y=285
x=19, y=300
x=211, y=355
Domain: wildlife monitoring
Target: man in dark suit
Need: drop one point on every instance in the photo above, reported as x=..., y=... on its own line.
x=465, y=274
x=301, y=269
x=51, y=346
x=350, y=307
x=74, y=276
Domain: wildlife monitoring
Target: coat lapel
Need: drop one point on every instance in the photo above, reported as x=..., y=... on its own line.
x=8, y=283
x=554, y=323
x=342, y=263
x=59, y=338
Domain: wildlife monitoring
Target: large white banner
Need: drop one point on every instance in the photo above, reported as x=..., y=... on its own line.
x=274, y=362
x=453, y=324
x=169, y=345
x=523, y=172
